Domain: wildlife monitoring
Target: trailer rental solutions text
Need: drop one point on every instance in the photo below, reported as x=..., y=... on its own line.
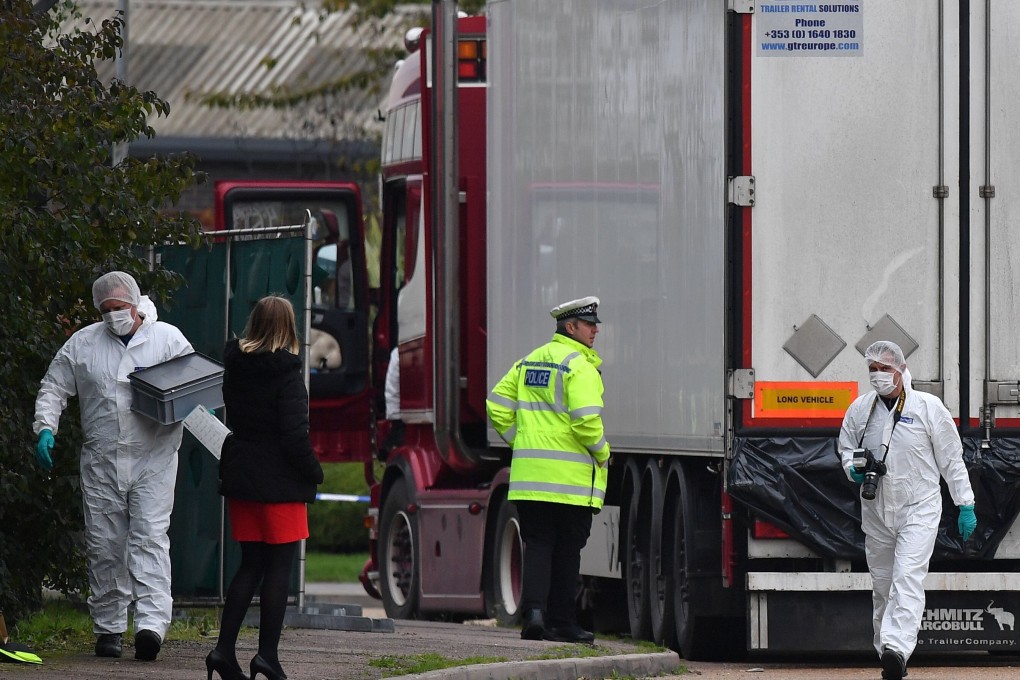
x=788, y=29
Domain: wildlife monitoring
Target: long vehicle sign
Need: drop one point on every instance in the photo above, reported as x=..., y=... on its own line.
x=803, y=399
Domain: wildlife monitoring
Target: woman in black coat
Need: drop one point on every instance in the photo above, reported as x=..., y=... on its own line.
x=268, y=473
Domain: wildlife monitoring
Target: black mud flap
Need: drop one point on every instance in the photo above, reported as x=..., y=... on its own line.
x=804, y=621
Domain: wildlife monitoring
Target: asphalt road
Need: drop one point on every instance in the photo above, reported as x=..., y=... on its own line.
x=359, y=652
x=324, y=654
x=308, y=654
x=345, y=655
x=968, y=666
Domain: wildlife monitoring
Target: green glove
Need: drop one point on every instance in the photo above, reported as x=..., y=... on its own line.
x=855, y=475
x=967, y=522
x=43, y=448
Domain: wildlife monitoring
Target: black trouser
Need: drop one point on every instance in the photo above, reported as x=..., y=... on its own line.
x=553, y=534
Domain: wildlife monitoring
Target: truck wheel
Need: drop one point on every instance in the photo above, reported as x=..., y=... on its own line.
x=635, y=555
x=660, y=578
x=399, y=559
x=689, y=635
x=699, y=634
x=506, y=567
x=603, y=605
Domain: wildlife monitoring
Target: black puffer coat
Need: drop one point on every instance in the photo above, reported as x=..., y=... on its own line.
x=268, y=457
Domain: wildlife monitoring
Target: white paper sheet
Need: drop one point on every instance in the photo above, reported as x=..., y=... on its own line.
x=207, y=429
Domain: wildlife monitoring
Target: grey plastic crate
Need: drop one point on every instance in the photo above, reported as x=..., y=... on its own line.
x=169, y=391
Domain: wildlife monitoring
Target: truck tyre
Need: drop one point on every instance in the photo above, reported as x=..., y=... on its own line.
x=602, y=605
x=701, y=633
x=660, y=577
x=505, y=567
x=690, y=636
x=399, y=555
x=635, y=555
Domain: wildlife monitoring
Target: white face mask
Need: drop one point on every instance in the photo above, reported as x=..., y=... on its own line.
x=883, y=382
x=120, y=321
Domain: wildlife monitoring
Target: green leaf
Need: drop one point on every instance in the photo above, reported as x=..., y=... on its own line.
x=68, y=216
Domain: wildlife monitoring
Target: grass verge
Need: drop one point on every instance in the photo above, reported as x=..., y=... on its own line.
x=62, y=627
x=332, y=567
x=421, y=663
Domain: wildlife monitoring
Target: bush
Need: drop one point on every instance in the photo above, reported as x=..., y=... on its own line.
x=338, y=526
x=68, y=214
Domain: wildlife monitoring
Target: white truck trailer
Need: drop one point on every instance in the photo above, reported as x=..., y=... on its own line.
x=757, y=191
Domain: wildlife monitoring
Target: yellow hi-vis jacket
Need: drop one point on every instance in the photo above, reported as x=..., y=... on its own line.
x=548, y=407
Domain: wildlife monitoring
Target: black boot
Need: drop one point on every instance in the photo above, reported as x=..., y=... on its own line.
x=110, y=644
x=569, y=633
x=534, y=627
x=894, y=666
x=147, y=645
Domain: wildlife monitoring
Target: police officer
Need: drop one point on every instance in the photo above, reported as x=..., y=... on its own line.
x=548, y=407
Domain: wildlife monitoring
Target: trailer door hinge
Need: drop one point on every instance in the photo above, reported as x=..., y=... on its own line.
x=740, y=190
x=740, y=6
x=1000, y=392
x=986, y=191
x=462, y=197
x=940, y=191
x=741, y=383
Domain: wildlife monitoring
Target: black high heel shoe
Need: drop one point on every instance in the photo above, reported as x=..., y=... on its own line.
x=260, y=665
x=227, y=670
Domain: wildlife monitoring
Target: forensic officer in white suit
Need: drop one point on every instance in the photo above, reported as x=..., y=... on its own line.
x=128, y=461
x=913, y=437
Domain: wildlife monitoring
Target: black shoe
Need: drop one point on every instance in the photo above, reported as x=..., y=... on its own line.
x=147, y=644
x=534, y=627
x=571, y=633
x=271, y=671
x=110, y=644
x=228, y=669
x=894, y=667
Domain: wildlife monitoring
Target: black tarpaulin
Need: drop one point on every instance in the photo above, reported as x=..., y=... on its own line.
x=798, y=485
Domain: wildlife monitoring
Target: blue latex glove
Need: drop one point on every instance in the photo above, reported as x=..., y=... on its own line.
x=855, y=475
x=967, y=522
x=43, y=448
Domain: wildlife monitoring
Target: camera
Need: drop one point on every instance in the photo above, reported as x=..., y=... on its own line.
x=865, y=463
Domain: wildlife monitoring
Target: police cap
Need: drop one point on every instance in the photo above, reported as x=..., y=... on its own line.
x=585, y=308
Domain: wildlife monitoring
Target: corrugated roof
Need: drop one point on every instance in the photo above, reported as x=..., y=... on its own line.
x=182, y=47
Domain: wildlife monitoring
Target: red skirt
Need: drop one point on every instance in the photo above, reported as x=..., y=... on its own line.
x=267, y=522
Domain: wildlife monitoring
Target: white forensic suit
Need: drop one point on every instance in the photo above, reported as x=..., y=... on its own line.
x=128, y=468
x=392, y=387
x=901, y=523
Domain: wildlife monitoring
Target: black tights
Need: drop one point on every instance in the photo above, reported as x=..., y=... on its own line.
x=269, y=564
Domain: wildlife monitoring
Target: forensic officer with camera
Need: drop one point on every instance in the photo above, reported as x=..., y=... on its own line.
x=896, y=442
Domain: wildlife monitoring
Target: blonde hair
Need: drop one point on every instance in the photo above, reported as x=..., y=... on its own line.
x=271, y=326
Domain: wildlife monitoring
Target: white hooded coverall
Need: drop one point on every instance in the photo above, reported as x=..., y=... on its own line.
x=392, y=389
x=128, y=468
x=901, y=523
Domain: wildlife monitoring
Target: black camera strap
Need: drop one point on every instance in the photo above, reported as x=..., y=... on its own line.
x=896, y=418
